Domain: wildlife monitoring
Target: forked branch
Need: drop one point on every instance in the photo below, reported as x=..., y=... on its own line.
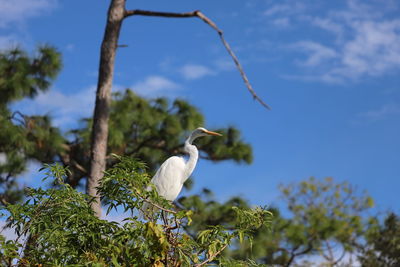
x=200, y=15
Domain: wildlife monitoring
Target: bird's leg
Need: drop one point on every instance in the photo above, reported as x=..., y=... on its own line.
x=177, y=224
x=164, y=217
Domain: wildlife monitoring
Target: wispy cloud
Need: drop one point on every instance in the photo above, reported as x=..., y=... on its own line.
x=64, y=108
x=318, y=53
x=276, y=9
x=365, y=39
x=381, y=113
x=17, y=11
x=195, y=71
x=281, y=22
x=373, y=51
x=70, y=47
x=371, y=46
x=224, y=64
x=7, y=42
x=327, y=24
x=198, y=71
x=155, y=86
x=284, y=7
x=279, y=14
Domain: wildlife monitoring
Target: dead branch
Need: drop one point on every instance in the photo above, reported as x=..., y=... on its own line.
x=139, y=12
x=200, y=15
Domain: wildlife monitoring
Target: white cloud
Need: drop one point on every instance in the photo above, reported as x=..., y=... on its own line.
x=195, y=71
x=275, y=9
x=64, y=108
x=286, y=8
x=154, y=85
x=317, y=53
x=281, y=22
x=374, y=50
x=366, y=43
x=325, y=77
x=381, y=113
x=224, y=64
x=328, y=25
x=67, y=108
x=17, y=11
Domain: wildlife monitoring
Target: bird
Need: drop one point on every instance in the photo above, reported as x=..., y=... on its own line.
x=173, y=173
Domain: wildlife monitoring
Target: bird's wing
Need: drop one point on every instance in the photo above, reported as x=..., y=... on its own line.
x=172, y=167
x=168, y=178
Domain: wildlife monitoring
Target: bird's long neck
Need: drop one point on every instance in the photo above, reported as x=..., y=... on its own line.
x=193, y=155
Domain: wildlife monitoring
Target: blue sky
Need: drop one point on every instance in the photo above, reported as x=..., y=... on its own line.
x=329, y=69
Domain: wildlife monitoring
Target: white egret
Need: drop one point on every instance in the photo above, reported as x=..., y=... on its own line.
x=170, y=177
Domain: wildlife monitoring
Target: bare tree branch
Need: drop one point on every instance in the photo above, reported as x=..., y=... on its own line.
x=139, y=12
x=21, y=120
x=154, y=204
x=208, y=21
x=212, y=257
x=340, y=258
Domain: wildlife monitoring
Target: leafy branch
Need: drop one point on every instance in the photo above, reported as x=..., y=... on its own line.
x=63, y=229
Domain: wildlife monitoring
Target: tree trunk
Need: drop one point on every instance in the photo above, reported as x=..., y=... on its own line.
x=98, y=149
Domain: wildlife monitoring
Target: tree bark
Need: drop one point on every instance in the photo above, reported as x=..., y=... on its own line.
x=103, y=98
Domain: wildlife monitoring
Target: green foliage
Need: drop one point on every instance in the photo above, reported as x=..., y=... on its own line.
x=23, y=76
x=62, y=230
x=324, y=219
x=24, y=138
x=152, y=130
x=8, y=251
x=321, y=214
x=383, y=243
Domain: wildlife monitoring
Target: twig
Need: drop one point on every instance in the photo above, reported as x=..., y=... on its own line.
x=4, y=202
x=79, y=166
x=14, y=117
x=340, y=258
x=330, y=257
x=209, y=22
x=155, y=205
x=212, y=257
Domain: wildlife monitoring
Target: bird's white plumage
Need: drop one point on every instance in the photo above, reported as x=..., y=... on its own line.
x=171, y=175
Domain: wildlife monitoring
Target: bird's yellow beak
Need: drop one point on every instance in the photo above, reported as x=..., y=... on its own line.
x=213, y=133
